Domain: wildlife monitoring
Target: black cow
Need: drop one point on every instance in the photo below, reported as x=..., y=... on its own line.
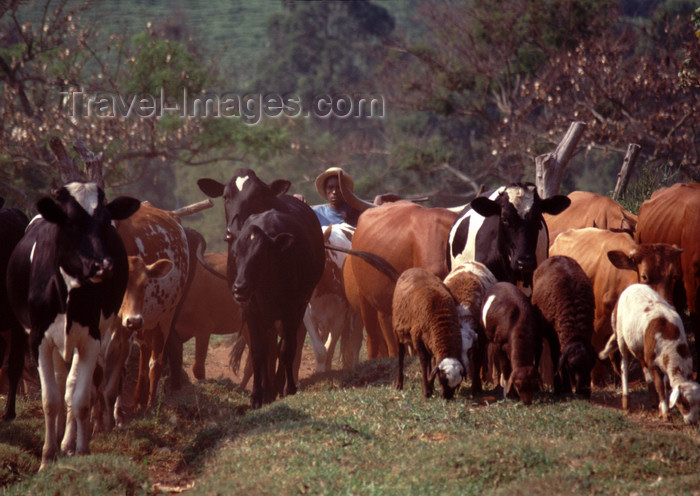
x=13, y=339
x=276, y=258
x=505, y=231
x=66, y=279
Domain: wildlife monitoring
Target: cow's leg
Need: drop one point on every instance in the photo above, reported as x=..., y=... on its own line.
x=659, y=398
x=624, y=366
x=201, y=346
x=156, y=363
x=316, y=342
x=78, y=389
x=17, y=350
x=173, y=352
x=141, y=391
x=376, y=346
x=351, y=340
x=388, y=333
x=117, y=355
x=51, y=402
x=256, y=349
x=288, y=349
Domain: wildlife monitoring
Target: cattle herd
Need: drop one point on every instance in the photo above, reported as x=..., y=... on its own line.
x=479, y=293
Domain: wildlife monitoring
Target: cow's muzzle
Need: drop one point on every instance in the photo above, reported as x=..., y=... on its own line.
x=241, y=293
x=101, y=270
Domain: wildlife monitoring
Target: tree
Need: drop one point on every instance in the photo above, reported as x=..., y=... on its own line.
x=130, y=96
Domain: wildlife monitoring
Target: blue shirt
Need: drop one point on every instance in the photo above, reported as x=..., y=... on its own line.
x=327, y=216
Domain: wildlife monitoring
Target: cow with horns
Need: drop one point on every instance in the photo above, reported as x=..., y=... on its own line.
x=275, y=259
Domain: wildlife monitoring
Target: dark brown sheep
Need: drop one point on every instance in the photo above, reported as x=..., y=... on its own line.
x=424, y=316
x=563, y=296
x=514, y=339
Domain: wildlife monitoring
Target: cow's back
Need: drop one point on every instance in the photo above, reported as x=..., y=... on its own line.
x=672, y=215
x=590, y=210
x=406, y=235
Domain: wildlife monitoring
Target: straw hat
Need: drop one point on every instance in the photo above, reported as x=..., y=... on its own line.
x=348, y=183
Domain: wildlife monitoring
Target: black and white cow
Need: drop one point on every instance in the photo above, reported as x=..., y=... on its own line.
x=275, y=259
x=13, y=339
x=66, y=279
x=505, y=231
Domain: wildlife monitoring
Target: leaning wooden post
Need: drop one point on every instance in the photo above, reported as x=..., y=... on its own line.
x=93, y=163
x=626, y=170
x=64, y=163
x=549, y=168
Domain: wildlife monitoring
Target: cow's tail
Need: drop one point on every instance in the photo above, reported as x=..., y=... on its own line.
x=374, y=260
x=197, y=241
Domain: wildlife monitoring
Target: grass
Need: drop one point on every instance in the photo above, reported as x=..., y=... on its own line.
x=352, y=433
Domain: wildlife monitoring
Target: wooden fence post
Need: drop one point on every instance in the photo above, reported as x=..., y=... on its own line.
x=549, y=168
x=626, y=170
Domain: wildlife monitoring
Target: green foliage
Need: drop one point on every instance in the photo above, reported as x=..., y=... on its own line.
x=648, y=179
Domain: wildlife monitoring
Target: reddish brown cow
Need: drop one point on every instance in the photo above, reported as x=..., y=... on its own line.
x=613, y=261
x=590, y=210
x=207, y=308
x=406, y=235
x=152, y=234
x=672, y=215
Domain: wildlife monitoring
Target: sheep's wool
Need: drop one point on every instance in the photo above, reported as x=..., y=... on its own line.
x=453, y=371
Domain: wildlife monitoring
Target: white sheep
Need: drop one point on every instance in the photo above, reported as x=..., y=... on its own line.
x=650, y=329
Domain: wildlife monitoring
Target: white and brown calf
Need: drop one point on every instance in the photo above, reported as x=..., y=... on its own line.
x=648, y=328
x=468, y=282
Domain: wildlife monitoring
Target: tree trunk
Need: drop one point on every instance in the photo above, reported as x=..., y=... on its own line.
x=549, y=168
x=626, y=170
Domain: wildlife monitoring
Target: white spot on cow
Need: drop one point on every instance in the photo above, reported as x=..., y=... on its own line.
x=485, y=308
x=252, y=236
x=31, y=253
x=521, y=198
x=86, y=194
x=71, y=282
x=453, y=371
x=240, y=181
x=31, y=222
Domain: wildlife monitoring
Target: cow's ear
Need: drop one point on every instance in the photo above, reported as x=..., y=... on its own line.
x=123, y=207
x=159, y=268
x=211, y=187
x=51, y=211
x=555, y=204
x=280, y=186
x=485, y=207
x=283, y=241
x=622, y=260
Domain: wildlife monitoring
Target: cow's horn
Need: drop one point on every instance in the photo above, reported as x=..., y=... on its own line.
x=350, y=198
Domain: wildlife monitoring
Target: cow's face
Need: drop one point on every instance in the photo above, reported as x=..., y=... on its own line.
x=244, y=195
x=526, y=381
x=84, y=223
x=255, y=255
x=656, y=264
x=131, y=311
x=520, y=210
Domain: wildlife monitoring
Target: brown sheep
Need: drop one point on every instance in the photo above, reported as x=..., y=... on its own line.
x=468, y=283
x=515, y=342
x=563, y=296
x=424, y=316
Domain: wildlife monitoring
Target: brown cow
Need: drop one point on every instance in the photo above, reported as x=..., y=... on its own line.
x=590, y=210
x=206, y=308
x=613, y=261
x=406, y=235
x=672, y=215
x=152, y=234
